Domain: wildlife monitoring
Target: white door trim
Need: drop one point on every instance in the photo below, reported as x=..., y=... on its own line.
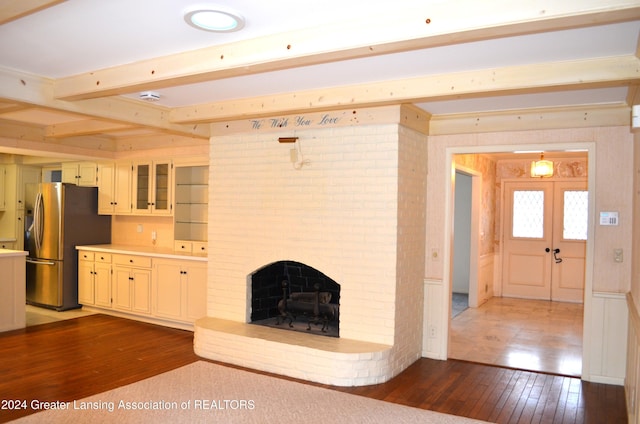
x=590, y=148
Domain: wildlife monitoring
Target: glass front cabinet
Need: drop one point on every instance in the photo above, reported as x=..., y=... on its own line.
x=152, y=190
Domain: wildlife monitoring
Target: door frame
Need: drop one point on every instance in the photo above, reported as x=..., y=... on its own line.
x=450, y=168
x=474, y=236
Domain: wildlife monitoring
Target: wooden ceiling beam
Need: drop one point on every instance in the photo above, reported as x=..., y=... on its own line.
x=11, y=10
x=84, y=127
x=533, y=78
x=38, y=91
x=436, y=25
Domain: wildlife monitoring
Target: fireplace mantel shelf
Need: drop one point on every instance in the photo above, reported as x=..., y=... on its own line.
x=327, y=360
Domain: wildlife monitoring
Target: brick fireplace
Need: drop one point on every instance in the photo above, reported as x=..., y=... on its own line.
x=355, y=210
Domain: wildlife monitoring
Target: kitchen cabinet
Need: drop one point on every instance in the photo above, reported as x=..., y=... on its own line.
x=180, y=289
x=131, y=283
x=80, y=173
x=12, y=293
x=94, y=279
x=152, y=188
x=191, y=196
x=9, y=245
x=16, y=177
x=3, y=189
x=114, y=188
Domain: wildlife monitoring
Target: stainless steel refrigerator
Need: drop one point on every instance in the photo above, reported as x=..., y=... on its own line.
x=58, y=217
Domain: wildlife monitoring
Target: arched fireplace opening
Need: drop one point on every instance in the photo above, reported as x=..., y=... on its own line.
x=293, y=296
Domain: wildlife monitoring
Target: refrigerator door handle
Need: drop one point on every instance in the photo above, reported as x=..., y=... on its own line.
x=38, y=215
x=37, y=262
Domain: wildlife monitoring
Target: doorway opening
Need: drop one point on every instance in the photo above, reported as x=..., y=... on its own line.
x=513, y=345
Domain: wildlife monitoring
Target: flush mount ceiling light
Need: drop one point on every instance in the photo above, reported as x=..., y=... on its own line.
x=214, y=20
x=542, y=168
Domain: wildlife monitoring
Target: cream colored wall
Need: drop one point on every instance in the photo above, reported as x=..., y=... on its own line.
x=124, y=230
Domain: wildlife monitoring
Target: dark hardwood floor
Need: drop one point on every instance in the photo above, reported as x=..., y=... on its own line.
x=76, y=358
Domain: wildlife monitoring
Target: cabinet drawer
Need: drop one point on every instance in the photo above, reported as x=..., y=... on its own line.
x=199, y=247
x=131, y=260
x=183, y=246
x=85, y=256
x=103, y=257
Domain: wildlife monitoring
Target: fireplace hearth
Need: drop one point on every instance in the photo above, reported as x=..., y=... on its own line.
x=293, y=296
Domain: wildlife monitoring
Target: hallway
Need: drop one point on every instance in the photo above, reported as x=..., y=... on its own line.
x=526, y=334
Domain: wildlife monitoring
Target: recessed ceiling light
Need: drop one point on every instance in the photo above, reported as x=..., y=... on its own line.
x=214, y=20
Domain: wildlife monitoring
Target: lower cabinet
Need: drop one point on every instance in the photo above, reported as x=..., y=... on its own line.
x=131, y=289
x=94, y=279
x=180, y=289
x=157, y=289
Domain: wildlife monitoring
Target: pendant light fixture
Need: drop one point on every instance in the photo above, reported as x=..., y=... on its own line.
x=541, y=168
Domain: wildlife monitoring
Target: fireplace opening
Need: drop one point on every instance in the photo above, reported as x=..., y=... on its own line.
x=293, y=296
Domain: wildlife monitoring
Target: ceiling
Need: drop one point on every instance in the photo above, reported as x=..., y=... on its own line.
x=71, y=71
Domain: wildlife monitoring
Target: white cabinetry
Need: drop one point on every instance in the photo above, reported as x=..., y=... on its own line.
x=79, y=173
x=15, y=177
x=132, y=283
x=114, y=188
x=152, y=188
x=164, y=289
x=94, y=279
x=12, y=293
x=180, y=289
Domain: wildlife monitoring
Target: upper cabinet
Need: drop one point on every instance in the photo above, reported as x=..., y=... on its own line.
x=152, y=188
x=114, y=188
x=13, y=179
x=80, y=173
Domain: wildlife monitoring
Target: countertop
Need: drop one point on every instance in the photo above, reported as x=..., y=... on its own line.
x=5, y=253
x=142, y=251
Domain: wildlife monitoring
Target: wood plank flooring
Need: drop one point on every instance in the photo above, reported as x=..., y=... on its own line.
x=80, y=357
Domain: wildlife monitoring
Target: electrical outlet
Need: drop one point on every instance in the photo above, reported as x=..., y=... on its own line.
x=139, y=228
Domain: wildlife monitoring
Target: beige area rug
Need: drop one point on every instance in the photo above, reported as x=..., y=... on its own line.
x=208, y=393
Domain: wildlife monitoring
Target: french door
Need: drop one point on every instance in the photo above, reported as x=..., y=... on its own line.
x=545, y=233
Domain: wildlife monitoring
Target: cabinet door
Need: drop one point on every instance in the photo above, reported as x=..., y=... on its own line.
x=87, y=174
x=168, y=289
x=102, y=280
x=86, y=291
x=106, y=188
x=122, y=288
x=141, y=290
x=70, y=172
x=142, y=188
x=3, y=188
x=122, y=188
x=20, y=230
x=161, y=198
x=196, y=292
x=26, y=175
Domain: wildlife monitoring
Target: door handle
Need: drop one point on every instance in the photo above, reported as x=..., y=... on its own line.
x=555, y=254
